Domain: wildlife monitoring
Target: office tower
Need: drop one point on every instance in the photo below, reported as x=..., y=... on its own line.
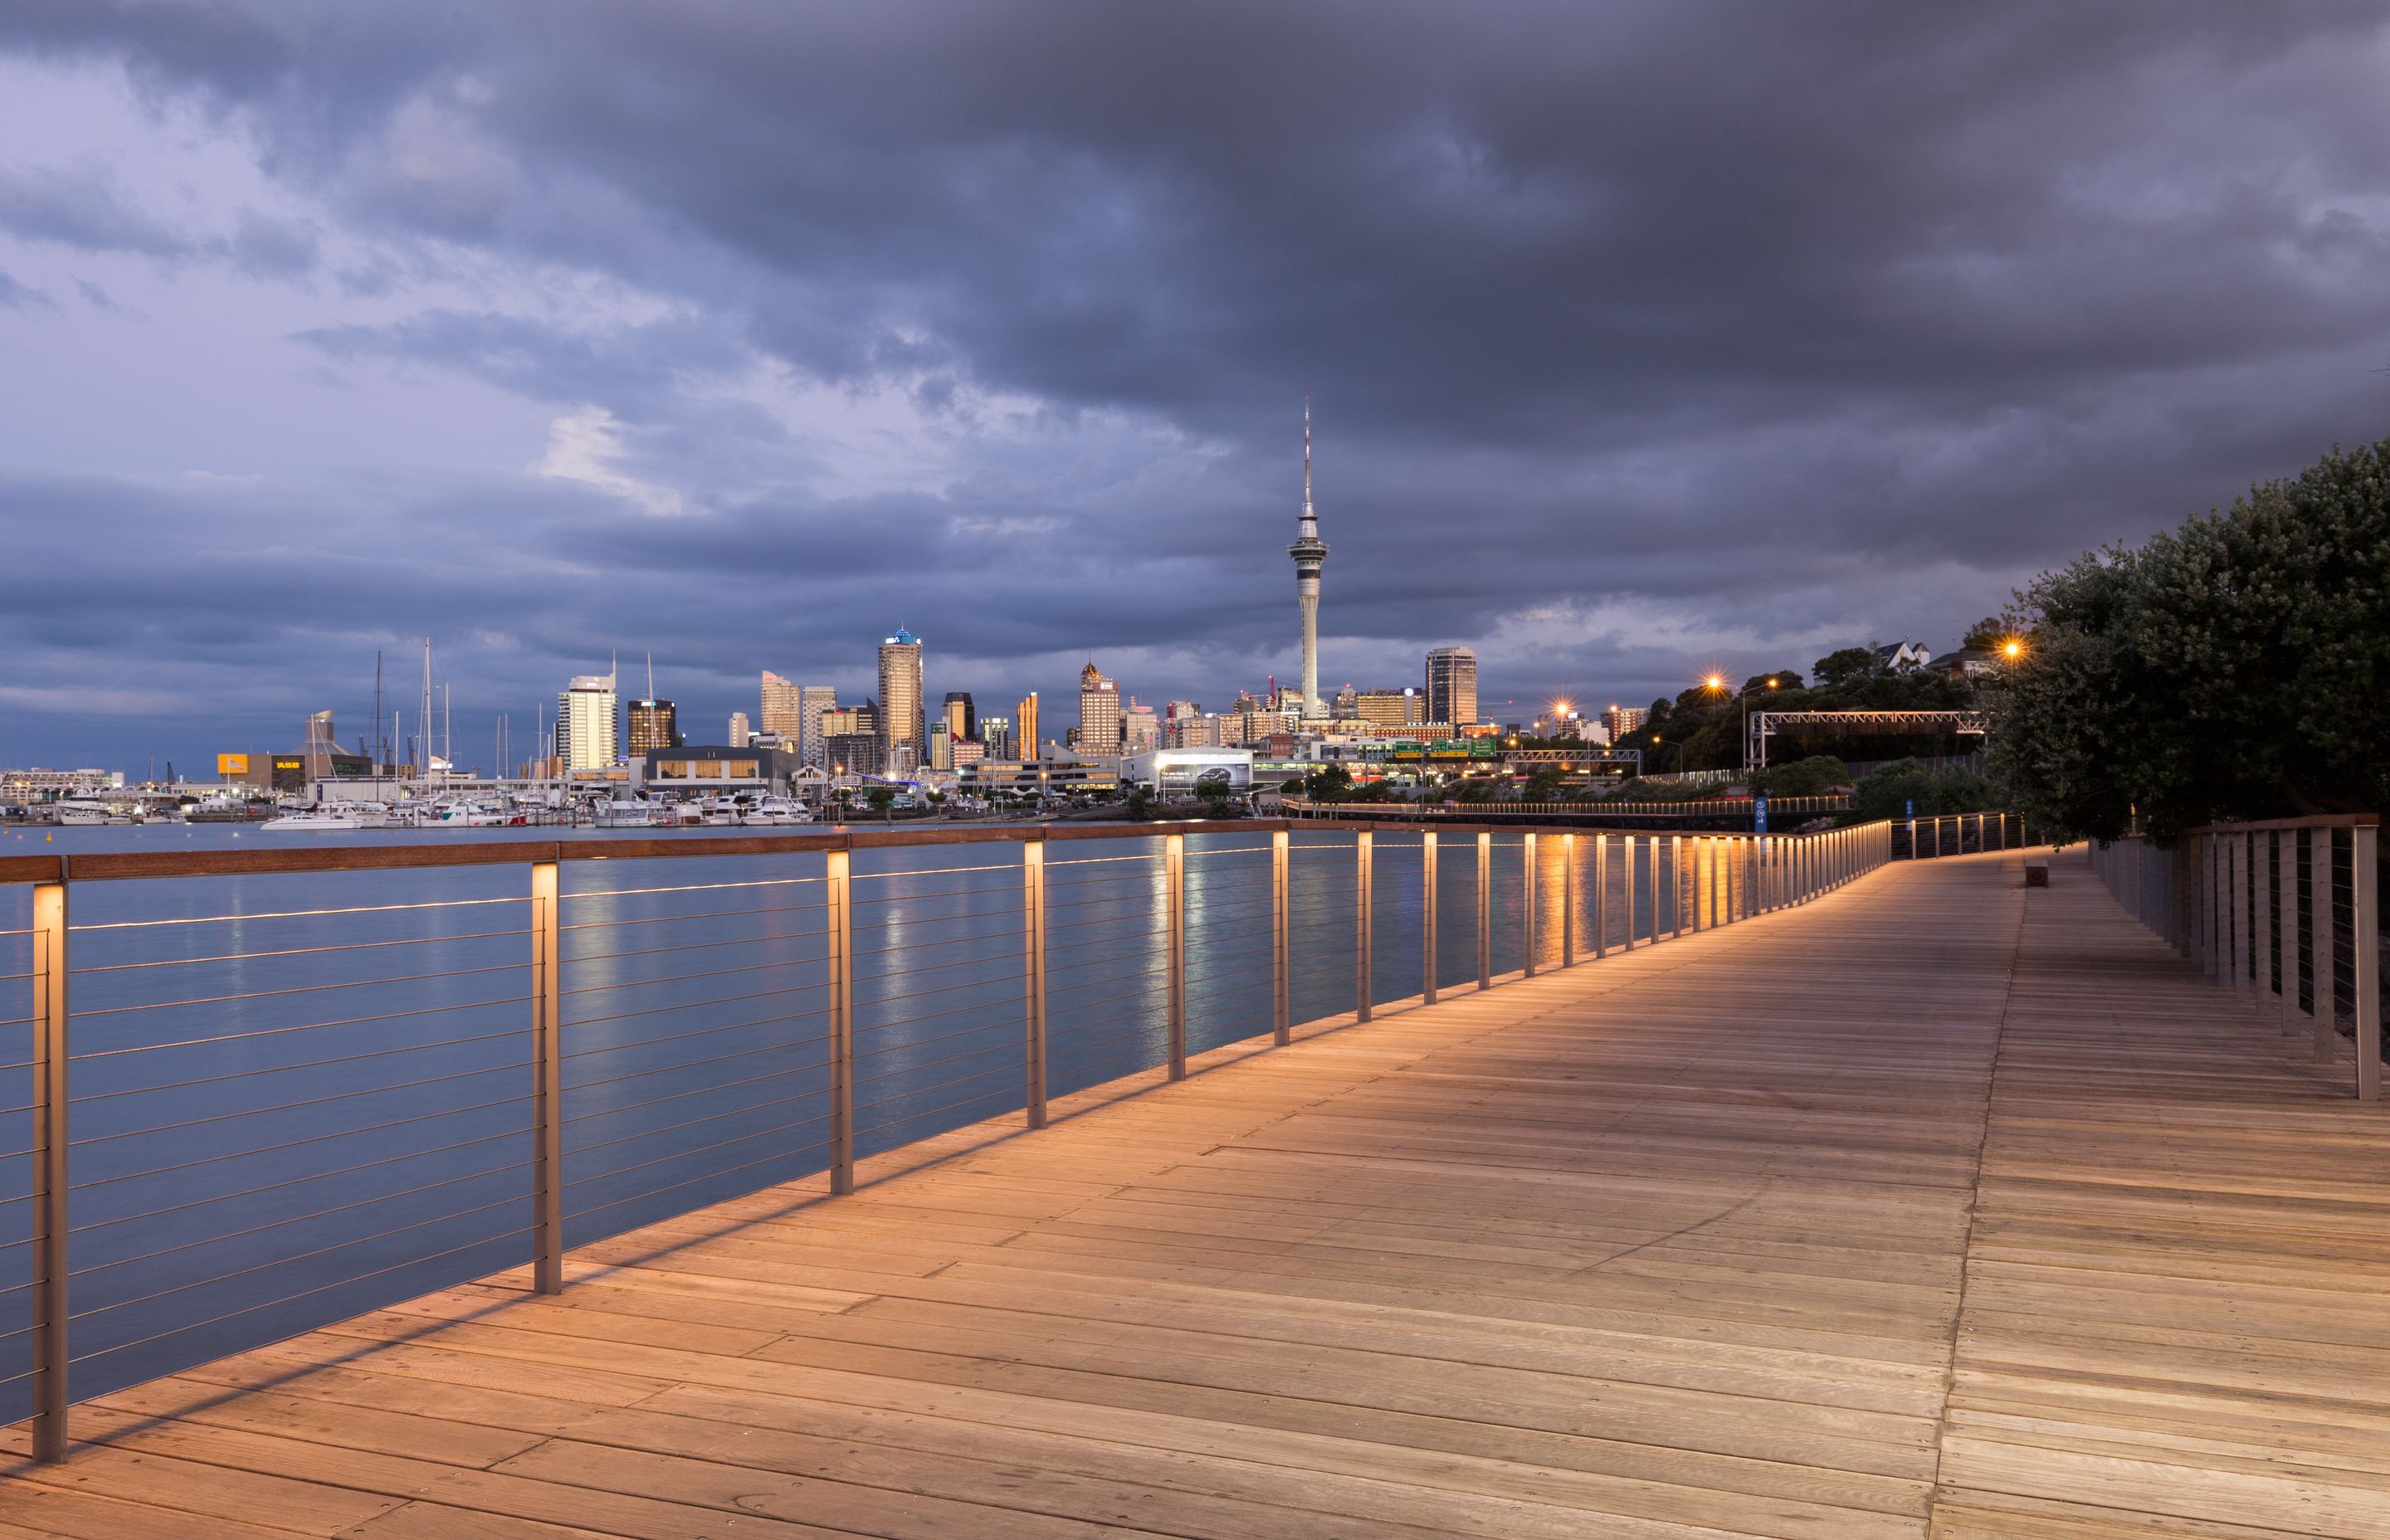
x=1623, y=720
x=1308, y=552
x=585, y=737
x=1026, y=744
x=812, y=701
x=739, y=731
x=779, y=713
x=1389, y=708
x=1176, y=719
x=1452, y=687
x=1141, y=729
x=962, y=717
x=1344, y=708
x=901, y=717
x=652, y=725
x=941, y=745
x=1100, y=713
x=853, y=753
x=967, y=751
x=996, y=735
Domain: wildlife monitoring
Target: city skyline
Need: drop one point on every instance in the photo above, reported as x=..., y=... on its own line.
x=333, y=332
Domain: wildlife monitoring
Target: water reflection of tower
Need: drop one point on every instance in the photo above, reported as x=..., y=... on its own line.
x=1308, y=552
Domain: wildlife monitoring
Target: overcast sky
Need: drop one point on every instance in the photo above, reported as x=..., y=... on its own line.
x=1640, y=339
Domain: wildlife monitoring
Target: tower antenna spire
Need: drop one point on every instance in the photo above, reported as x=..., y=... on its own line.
x=1307, y=454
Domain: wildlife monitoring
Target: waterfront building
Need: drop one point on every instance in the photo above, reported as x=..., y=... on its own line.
x=1100, y=713
x=585, y=733
x=652, y=725
x=1308, y=552
x=902, y=719
x=1024, y=732
x=1452, y=685
x=739, y=732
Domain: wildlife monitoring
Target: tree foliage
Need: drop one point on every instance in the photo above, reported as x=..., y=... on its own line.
x=1803, y=777
x=1893, y=788
x=2234, y=668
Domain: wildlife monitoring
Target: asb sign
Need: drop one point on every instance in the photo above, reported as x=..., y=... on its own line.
x=232, y=765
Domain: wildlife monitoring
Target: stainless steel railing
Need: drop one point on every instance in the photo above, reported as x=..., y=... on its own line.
x=1959, y=834
x=2286, y=914
x=250, y=1093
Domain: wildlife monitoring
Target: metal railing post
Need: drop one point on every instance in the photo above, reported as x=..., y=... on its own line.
x=1653, y=919
x=1675, y=886
x=1527, y=903
x=2320, y=888
x=1568, y=900
x=547, y=1082
x=1364, y=919
x=840, y=924
x=50, y=1184
x=1033, y=979
x=1282, y=939
x=1601, y=895
x=1485, y=911
x=1427, y=916
x=1702, y=884
x=1174, y=868
x=2365, y=941
x=2237, y=849
x=2286, y=904
x=2261, y=920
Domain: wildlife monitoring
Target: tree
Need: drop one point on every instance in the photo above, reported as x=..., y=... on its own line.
x=1895, y=788
x=1986, y=635
x=2238, y=667
x=1844, y=668
x=1330, y=783
x=1803, y=777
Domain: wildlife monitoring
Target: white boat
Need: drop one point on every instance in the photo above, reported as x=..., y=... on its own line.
x=308, y=820
x=718, y=812
x=631, y=814
x=773, y=812
x=80, y=814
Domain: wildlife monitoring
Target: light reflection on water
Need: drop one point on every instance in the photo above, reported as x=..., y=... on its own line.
x=284, y=1116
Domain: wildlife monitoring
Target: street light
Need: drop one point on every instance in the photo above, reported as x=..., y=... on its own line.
x=1718, y=682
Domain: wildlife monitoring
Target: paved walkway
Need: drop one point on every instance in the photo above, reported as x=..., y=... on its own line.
x=1939, y=1206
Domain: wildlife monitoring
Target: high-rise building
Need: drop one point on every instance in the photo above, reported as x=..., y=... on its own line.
x=779, y=713
x=902, y=721
x=996, y=735
x=653, y=724
x=1452, y=687
x=1623, y=720
x=941, y=745
x=1100, y=713
x=1308, y=552
x=967, y=751
x=1025, y=731
x=1345, y=707
x=1141, y=729
x=853, y=753
x=812, y=701
x=1389, y=708
x=739, y=732
x=585, y=737
x=962, y=717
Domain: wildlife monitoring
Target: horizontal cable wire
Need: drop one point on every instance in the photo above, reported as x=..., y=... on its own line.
x=690, y=888
x=1101, y=860
x=290, y=1107
x=613, y=985
x=304, y=1064
x=701, y=1031
x=300, y=1218
x=1009, y=1045
x=715, y=1089
x=682, y=919
x=652, y=1071
x=862, y=1053
x=692, y=946
x=931, y=1016
x=312, y=1139
x=876, y=900
x=299, y=914
x=700, y=1149
x=271, y=995
x=299, y=1181
x=320, y=1289
x=1012, y=867
x=710, y=1175
x=693, y=1005
x=637, y=1134
x=284, y=1261
x=938, y=1085
x=291, y=952
x=943, y=989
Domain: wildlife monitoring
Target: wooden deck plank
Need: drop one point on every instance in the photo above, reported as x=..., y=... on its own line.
x=1932, y=1208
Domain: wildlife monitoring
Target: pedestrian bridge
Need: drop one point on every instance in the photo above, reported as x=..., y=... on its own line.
x=1932, y=1205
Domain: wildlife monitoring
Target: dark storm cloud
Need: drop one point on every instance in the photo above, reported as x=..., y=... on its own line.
x=1730, y=323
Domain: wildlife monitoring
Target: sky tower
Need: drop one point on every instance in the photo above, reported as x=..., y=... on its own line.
x=1308, y=552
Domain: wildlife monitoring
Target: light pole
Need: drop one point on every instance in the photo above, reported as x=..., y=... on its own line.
x=1718, y=682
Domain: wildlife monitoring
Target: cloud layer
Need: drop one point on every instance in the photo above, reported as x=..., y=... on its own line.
x=1639, y=338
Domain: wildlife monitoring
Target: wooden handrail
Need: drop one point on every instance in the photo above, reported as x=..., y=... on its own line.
x=2322, y=820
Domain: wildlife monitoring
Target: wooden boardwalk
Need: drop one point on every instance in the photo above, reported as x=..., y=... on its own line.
x=1939, y=1207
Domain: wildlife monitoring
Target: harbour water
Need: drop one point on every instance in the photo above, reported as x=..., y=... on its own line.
x=296, y=1098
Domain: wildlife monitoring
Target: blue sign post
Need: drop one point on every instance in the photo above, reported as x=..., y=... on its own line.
x=1759, y=814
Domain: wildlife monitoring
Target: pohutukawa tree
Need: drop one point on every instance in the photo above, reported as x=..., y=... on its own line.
x=2238, y=667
